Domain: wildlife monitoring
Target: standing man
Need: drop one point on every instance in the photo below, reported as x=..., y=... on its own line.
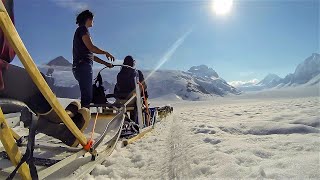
x=83, y=56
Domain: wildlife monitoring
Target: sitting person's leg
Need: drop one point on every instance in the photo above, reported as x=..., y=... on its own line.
x=19, y=86
x=134, y=115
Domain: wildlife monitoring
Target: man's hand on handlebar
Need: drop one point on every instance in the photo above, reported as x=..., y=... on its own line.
x=109, y=56
x=109, y=65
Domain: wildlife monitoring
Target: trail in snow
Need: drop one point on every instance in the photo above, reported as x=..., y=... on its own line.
x=177, y=161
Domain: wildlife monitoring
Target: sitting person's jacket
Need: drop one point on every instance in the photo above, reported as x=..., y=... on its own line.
x=126, y=85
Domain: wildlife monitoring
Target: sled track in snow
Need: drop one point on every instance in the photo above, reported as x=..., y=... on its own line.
x=178, y=166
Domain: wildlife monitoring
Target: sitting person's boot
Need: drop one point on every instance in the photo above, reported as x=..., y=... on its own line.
x=81, y=119
x=47, y=125
x=73, y=108
x=50, y=116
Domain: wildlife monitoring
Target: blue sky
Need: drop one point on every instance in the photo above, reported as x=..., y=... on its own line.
x=256, y=38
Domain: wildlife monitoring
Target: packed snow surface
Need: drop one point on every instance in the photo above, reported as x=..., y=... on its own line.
x=249, y=138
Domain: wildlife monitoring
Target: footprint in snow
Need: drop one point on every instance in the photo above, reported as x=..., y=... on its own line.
x=204, y=131
x=212, y=141
x=136, y=158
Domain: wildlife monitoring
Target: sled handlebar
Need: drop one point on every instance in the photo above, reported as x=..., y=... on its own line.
x=117, y=65
x=121, y=65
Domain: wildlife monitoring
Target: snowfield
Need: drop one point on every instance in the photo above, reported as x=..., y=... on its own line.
x=273, y=138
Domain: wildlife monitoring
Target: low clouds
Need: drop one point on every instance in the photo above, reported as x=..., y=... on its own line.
x=243, y=83
x=74, y=5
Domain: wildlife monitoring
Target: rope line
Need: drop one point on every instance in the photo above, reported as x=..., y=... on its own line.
x=94, y=125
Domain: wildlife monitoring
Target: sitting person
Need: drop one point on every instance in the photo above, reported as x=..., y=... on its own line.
x=125, y=80
x=125, y=86
x=16, y=84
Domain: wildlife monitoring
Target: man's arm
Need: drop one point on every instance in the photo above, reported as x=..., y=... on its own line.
x=98, y=60
x=88, y=42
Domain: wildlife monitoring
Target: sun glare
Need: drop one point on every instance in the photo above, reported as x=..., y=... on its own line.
x=222, y=7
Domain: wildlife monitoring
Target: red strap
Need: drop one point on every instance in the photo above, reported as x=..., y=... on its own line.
x=91, y=141
x=88, y=146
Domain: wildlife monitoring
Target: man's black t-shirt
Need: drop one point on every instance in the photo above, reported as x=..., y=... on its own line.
x=81, y=53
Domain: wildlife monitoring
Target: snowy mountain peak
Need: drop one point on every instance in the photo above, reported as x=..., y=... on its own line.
x=270, y=79
x=306, y=73
x=203, y=71
x=59, y=61
x=307, y=70
x=315, y=55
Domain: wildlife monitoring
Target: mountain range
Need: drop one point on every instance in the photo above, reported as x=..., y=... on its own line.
x=198, y=83
x=307, y=73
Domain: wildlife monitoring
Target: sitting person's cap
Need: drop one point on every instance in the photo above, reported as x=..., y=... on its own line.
x=129, y=61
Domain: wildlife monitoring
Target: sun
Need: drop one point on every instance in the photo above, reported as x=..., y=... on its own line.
x=222, y=7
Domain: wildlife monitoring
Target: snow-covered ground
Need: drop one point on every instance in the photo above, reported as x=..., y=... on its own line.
x=234, y=138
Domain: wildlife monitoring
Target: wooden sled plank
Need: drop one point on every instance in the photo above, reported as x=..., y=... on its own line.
x=137, y=137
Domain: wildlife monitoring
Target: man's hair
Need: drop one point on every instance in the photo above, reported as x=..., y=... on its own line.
x=128, y=60
x=83, y=16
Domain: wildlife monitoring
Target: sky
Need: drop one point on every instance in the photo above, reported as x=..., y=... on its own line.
x=254, y=39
